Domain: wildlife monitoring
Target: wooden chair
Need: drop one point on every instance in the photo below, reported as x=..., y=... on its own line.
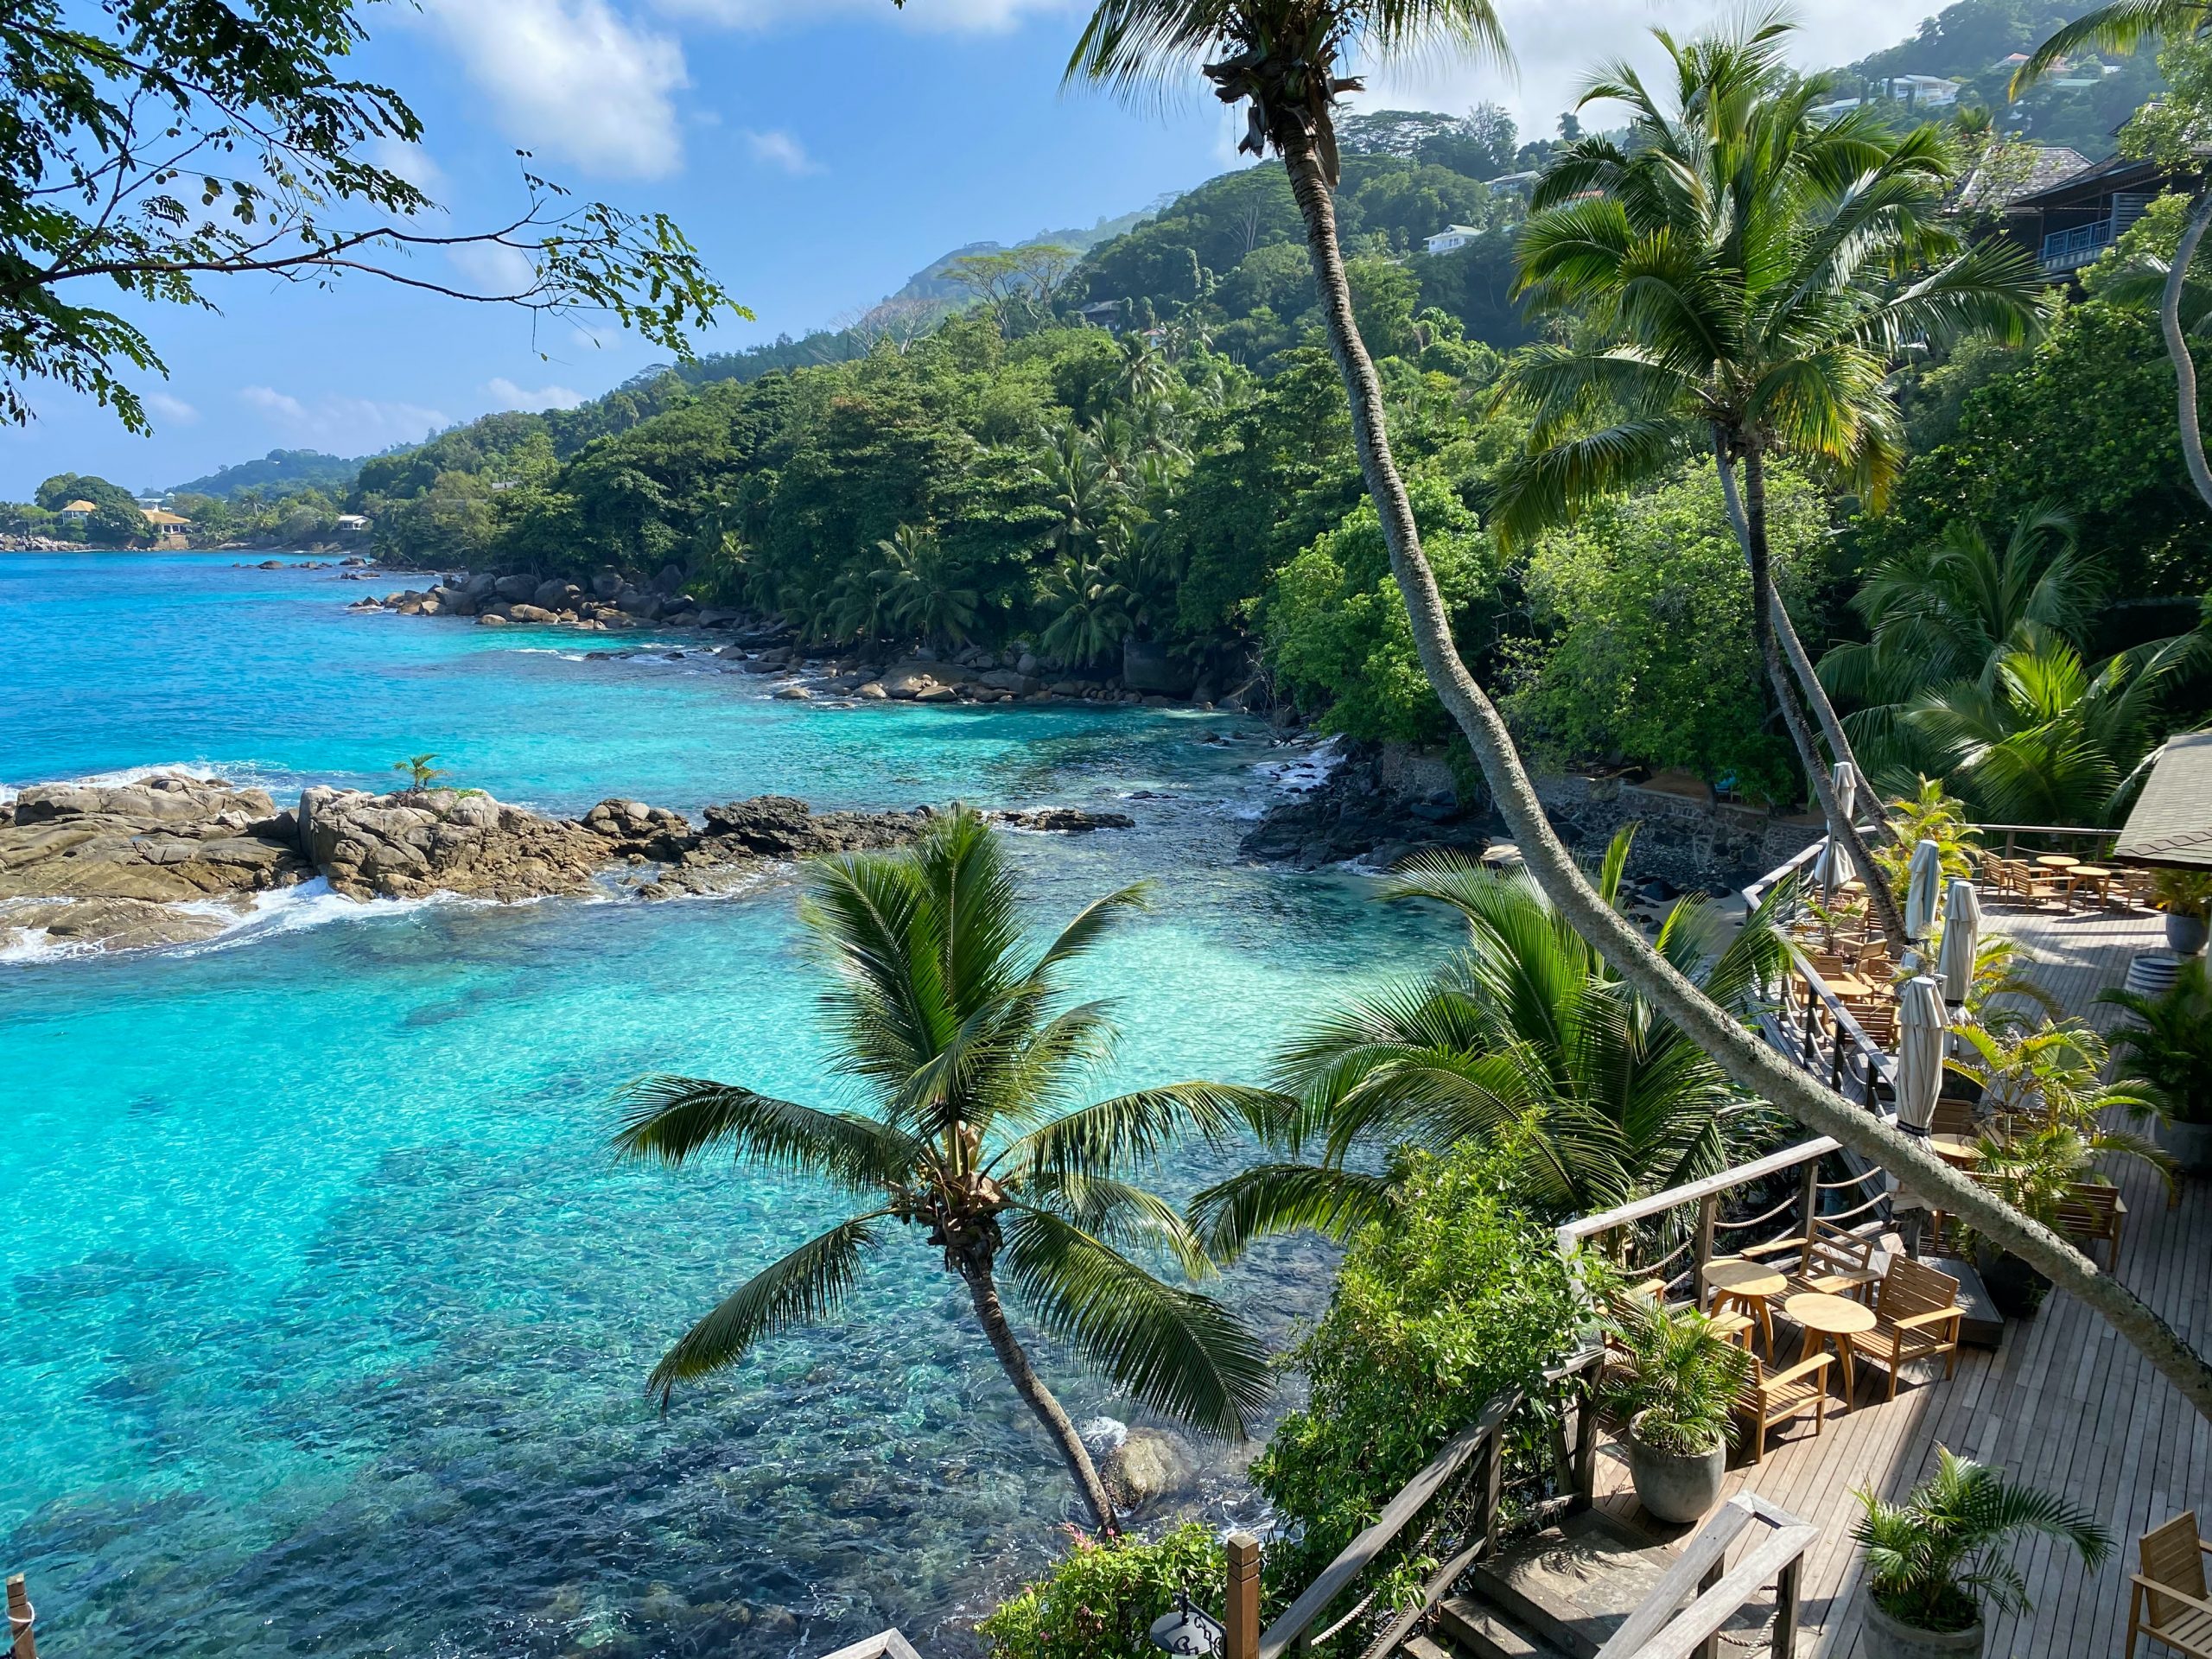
x=2138, y=886
x=1770, y=1399
x=1836, y=1261
x=2035, y=885
x=2172, y=1584
x=1917, y=1316
x=1996, y=878
x=2092, y=1213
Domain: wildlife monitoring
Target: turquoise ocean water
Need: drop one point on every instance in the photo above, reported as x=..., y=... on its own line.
x=325, y=1312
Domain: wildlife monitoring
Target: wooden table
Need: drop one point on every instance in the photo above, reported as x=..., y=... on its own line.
x=1748, y=1284
x=1959, y=1151
x=1853, y=985
x=1830, y=1318
x=2058, y=860
x=2096, y=876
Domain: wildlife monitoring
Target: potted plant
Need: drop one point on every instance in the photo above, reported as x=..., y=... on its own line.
x=2033, y=1170
x=1673, y=1386
x=1934, y=1562
x=2186, y=896
x=2168, y=1044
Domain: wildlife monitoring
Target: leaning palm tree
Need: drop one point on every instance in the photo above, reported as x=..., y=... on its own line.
x=969, y=1056
x=2122, y=27
x=1291, y=59
x=1526, y=1033
x=1741, y=267
x=1949, y=611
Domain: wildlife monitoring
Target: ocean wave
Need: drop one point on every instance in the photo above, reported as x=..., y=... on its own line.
x=1307, y=771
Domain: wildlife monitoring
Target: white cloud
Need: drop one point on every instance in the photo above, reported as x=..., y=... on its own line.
x=1556, y=47
x=411, y=162
x=783, y=152
x=175, y=410
x=344, y=425
x=572, y=79
x=506, y=394
x=493, y=269
x=932, y=16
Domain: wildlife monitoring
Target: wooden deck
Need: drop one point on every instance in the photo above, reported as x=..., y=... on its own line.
x=2062, y=1403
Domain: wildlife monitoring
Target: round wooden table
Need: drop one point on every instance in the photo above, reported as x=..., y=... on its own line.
x=1961, y=1151
x=1830, y=1318
x=1748, y=1284
x=2058, y=860
x=2097, y=876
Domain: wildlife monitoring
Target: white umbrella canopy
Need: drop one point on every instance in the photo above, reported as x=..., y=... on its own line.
x=1829, y=866
x=1921, y=1027
x=1921, y=890
x=1845, y=777
x=1961, y=939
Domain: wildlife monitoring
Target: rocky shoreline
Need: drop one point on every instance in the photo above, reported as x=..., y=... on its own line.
x=175, y=859
x=765, y=645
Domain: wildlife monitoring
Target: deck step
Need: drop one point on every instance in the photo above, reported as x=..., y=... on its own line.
x=1572, y=1585
x=1422, y=1648
x=1477, y=1631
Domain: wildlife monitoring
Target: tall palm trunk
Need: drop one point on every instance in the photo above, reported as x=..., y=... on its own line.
x=2192, y=436
x=1801, y=662
x=1747, y=1060
x=983, y=1291
x=1765, y=606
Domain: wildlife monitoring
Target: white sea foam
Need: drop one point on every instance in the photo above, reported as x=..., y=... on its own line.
x=1304, y=773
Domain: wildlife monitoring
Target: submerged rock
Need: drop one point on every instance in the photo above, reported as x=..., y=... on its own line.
x=1065, y=820
x=1149, y=1464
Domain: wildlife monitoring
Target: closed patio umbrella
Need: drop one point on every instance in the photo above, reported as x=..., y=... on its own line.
x=1845, y=777
x=1961, y=939
x=1922, y=1031
x=1922, y=1026
x=1830, y=866
x=1921, y=891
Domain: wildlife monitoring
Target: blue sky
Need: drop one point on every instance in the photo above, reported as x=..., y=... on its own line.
x=818, y=151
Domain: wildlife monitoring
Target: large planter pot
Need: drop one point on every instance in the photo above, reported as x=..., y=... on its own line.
x=1672, y=1486
x=2017, y=1289
x=2185, y=934
x=2189, y=1145
x=1883, y=1637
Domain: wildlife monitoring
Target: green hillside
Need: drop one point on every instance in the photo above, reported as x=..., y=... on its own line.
x=280, y=471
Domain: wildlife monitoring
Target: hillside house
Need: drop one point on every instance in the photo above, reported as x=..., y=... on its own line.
x=1450, y=237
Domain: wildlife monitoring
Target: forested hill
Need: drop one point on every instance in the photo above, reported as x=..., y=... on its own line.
x=280, y=471
x=2080, y=106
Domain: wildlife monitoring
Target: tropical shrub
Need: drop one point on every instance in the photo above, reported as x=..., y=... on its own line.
x=2167, y=1043
x=1100, y=1599
x=1648, y=611
x=1337, y=629
x=1934, y=1559
x=1458, y=1293
x=1676, y=1380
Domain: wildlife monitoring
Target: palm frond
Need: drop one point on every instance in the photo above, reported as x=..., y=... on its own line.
x=1179, y=1352
x=1130, y=1129
x=1272, y=1198
x=805, y=1287
x=670, y=1120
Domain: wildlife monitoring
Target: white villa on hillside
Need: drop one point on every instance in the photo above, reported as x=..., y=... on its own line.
x=1450, y=237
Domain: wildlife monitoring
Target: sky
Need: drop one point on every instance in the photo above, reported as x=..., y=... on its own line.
x=817, y=152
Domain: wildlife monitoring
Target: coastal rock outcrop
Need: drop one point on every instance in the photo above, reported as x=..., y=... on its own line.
x=421, y=841
x=163, y=840
x=1063, y=820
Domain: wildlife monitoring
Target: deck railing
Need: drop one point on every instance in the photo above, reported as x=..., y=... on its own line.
x=1662, y=1628
x=1694, y=1213
x=885, y=1644
x=1806, y=1020
x=1457, y=1500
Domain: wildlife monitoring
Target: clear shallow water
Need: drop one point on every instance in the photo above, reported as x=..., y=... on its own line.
x=325, y=1314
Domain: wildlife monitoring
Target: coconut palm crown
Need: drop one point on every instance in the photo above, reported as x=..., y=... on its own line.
x=1743, y=275
x=972, y=1144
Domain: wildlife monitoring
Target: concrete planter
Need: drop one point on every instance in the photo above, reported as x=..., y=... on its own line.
x=1883, y=1637
x=2189, y=1145
x=1672, y=1486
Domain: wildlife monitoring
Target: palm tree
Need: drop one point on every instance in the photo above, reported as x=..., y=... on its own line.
x=1527, y=1032
x=2123, y=26
x=921, y=590
x=1947, y=612
x=2045, y=738
x=1090, y=610
x=1739, y=262
x=1290, y=59
x=969, y=1056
